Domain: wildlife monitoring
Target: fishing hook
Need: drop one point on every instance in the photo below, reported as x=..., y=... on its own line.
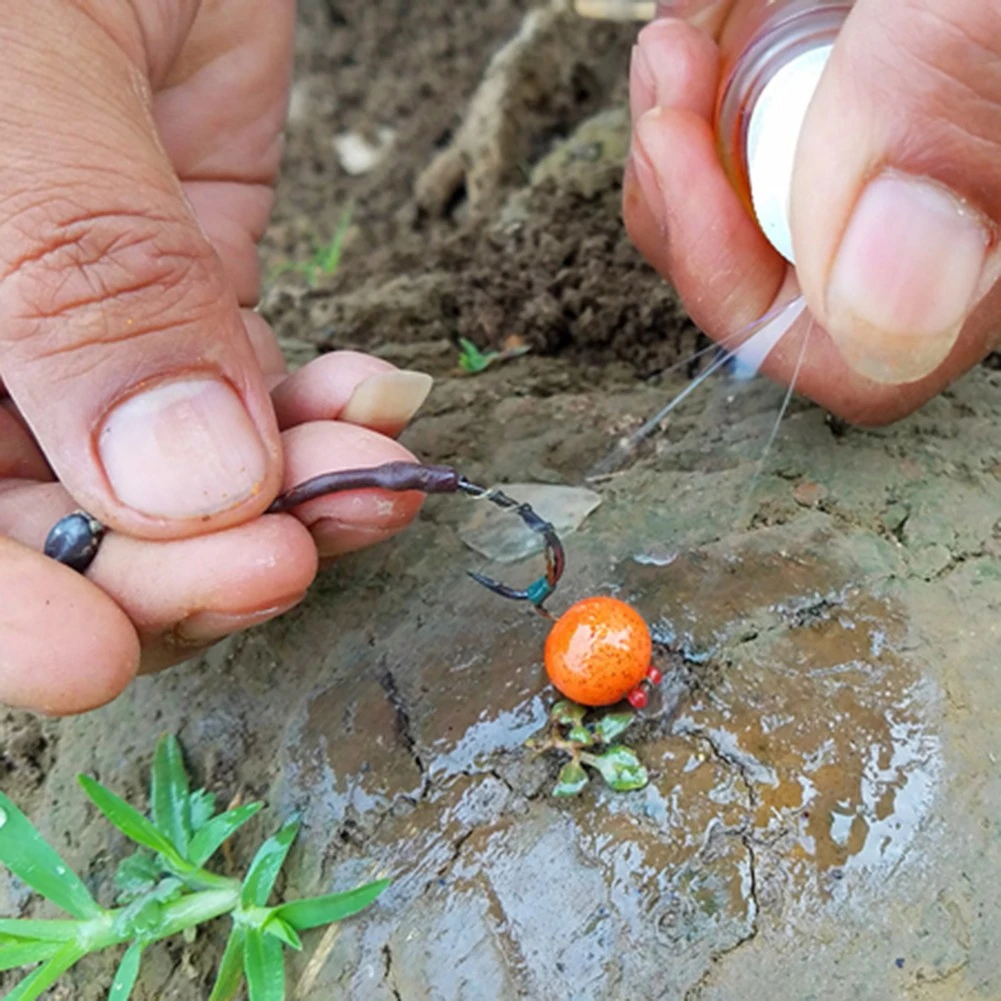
x=74, y=540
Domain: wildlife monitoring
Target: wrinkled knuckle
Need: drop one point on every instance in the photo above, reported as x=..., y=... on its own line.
x=87, y=277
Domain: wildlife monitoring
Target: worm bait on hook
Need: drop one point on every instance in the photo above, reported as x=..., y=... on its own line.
x=74, y=540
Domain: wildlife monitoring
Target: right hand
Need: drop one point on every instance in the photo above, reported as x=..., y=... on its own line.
x=896, y=194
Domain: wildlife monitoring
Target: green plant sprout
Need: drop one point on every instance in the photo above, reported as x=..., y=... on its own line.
x=592, y=744
x=472, y=360
x=163, y=890
x=326, y=258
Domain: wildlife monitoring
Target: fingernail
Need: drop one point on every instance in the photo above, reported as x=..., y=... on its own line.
x=182, y=449
x=207, y=627
x=904, y=278
x=388, y=399
x=646, y=136
x=642, y=84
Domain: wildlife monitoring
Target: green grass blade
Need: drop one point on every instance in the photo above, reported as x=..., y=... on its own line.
x=39, y=930
x=25, y=953
x=230, y=974
x=39, y=981
x=315, y=911
x=206, y=842
x=331, y=255
x=168, y=795
x=27, y=854
x=128, y=819
x=282, y=931
x=127, y=973
x=267, y=863
x=264, y=966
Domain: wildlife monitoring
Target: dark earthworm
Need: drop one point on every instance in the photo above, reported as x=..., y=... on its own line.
x=75, y=539
x=395, y=476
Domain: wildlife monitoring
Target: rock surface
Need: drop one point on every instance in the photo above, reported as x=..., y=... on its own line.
x=822, y=818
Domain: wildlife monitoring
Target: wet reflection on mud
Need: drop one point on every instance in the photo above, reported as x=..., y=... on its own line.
x=797, y=765
x=811, y=701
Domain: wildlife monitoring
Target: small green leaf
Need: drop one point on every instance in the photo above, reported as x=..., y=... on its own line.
x=227, y=981
x=267, y=863
x=201, y=807
x=128, y=819
x=43, y=930
x=571, y=780
x=620, y=768
x=168, y=794
x=264, y=966
x=612, y=726
x=27, y=854
x=144, y=917
x=282, y=931
x=567, y=713
x=136, y=874
x=207, y=841
x=581, y=735
x=168, y=890
x=472, y=359
x=315, y=911
x=39, y=981
x=127, y=974
x=25, y=952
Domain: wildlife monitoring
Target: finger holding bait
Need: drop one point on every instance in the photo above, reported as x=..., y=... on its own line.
x=597, y=653
x=75, y=540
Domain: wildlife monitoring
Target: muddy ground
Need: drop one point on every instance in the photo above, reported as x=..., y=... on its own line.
x=822, y=816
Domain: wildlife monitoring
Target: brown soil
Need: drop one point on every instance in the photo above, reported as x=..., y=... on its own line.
x=821, y=817
x=553, y=267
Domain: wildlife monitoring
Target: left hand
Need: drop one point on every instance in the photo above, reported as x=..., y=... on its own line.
x=137, y=166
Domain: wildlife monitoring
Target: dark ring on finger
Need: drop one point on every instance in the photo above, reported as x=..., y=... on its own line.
x=75, y=540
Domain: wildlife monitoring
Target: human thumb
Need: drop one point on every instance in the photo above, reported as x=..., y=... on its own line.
x=897, y=188
x=121, y=341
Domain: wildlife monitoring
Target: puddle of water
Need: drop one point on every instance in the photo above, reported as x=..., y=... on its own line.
x=807, y=750
x=810, y=700
x=853, y=757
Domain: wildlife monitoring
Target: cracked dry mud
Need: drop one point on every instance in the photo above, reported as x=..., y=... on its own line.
x=821, y=820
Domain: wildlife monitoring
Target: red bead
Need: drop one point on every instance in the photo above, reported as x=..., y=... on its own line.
x=637, y=698
x=654, y=676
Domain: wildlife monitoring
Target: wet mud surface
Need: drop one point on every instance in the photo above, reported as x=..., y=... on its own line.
x=821, y=820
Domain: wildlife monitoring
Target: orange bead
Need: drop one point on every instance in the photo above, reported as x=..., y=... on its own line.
x=598, y=651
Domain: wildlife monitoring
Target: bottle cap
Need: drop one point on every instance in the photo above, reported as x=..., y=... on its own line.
x=772, y=137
